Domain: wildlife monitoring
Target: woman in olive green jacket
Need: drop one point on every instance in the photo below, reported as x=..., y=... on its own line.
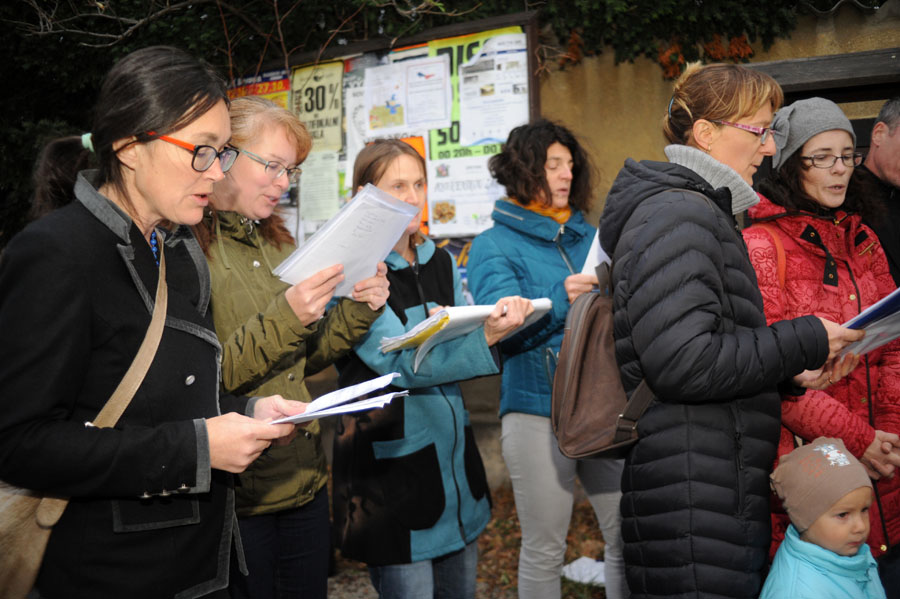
x=272, y=335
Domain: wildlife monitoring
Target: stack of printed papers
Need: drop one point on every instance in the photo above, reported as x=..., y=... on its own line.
x=339, y=402
x=359, y=236
x=450, y=323
x=880, y=321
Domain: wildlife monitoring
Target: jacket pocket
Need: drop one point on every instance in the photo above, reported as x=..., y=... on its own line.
x=135, y=515
x=412, y=485
x=475, y=474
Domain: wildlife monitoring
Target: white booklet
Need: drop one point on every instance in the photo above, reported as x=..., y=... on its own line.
x=339, y=402
x=450, y=323
x=880, y=321
x=359, y=236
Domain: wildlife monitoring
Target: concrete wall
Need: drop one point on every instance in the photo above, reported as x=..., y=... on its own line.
x=617, y=110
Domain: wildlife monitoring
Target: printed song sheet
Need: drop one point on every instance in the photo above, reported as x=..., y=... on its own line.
x=339, y=402
x=450, y=323
x=359, y=236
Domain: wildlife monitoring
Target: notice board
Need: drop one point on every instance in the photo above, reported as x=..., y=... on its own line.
x=453, y=92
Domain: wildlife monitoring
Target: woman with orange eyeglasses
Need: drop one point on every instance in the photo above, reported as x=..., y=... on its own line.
x=151, y=513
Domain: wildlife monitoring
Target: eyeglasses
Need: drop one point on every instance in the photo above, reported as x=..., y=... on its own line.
x=204, y=156
x=274, y=169
x=828, y=160
x=761, y=132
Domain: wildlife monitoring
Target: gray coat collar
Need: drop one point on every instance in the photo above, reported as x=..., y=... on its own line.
x=115, y=219
x=716, y=173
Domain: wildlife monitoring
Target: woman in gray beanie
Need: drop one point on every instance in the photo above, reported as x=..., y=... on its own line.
x=813, y=255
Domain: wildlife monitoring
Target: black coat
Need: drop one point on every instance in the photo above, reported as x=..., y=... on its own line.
x=148, y=518
x=689, y=318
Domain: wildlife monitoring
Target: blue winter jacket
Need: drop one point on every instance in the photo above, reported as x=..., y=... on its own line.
x=803, y=570
x=529, y=255
x=409, y=484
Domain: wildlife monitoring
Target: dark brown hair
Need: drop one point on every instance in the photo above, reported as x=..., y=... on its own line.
x=519, y=167
x=159, y=88
x=785, y=188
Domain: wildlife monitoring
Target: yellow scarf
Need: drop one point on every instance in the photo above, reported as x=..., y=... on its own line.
x=560, y=215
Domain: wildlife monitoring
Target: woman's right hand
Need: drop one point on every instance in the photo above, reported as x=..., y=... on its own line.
x=309, y=297
x=236, y=440
x=579, y=283
x=509, y=313
x=881, y=457
x=839, y=337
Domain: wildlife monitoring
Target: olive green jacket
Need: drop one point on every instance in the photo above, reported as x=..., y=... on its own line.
x=267, y=351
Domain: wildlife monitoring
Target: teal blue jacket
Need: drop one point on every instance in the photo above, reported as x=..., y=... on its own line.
x=802, y=570
x=409, y=484
x=529, y=255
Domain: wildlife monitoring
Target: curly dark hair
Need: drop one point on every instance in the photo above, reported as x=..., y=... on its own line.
x=520, y=166
x=785, y=188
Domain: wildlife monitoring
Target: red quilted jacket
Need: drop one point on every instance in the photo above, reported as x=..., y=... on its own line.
x=834, y=268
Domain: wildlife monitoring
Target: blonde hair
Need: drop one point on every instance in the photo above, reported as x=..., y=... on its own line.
x=251, y=115
x=717, y=92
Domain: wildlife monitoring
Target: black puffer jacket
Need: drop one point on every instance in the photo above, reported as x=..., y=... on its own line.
x=689, y=318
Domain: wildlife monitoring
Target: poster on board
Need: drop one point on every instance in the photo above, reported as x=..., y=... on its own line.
x=413, y=95
x=272, y=85
x=316, y=98
x=461, y=190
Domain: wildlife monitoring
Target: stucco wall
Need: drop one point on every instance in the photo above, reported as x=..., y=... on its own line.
x=617, y=110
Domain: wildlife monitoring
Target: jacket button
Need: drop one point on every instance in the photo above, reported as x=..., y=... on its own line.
x=291, y=376
x=883, y=547
x=190, y=379
x=862, y=400
x=307, y=434
x=852, y=296
x=256, y=264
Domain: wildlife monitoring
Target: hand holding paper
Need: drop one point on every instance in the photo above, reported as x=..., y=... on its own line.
x=452, y=322
x=508, y=315
x=309, y=297
x=338, y=402
x=359, y=236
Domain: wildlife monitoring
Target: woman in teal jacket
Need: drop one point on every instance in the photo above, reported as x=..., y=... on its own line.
x=536, y=248
x=410, y=493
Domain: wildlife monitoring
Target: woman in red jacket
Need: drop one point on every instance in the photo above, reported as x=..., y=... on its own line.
x=813, y=255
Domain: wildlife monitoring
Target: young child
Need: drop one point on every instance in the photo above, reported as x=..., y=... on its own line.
x=827, y=494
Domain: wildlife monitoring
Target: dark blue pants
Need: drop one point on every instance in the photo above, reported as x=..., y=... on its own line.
x=287, y=553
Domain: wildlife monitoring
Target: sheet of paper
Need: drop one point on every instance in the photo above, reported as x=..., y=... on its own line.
x=886, y=306
x=342, y=396
x=319, y=186
x=451, y=322
x=347, y=408
x=878, y=333
x=359, y=236
x=595, y=257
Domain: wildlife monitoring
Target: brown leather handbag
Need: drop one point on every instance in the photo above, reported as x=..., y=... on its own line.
x=590, y=413
x=27, y=517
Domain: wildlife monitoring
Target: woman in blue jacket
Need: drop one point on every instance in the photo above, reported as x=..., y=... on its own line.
x=410, y=493
x=536, y=248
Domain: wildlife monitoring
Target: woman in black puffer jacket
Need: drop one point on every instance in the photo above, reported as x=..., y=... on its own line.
x=689, y=319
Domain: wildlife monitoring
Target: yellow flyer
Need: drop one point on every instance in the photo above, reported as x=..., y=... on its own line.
x=316, y=99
